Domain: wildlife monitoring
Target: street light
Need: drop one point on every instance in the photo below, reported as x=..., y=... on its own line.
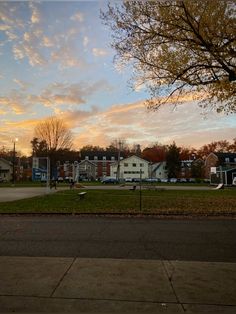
x=13, y=161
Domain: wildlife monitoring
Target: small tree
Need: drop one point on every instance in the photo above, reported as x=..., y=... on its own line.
x=173, y=162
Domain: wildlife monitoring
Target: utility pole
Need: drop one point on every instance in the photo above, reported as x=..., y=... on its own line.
x=118, y=162
x=13, y=161
x=140, y=191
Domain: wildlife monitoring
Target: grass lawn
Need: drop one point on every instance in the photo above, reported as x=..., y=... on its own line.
x=218, y=202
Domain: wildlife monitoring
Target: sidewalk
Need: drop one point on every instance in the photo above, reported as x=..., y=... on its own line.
x=18, y=193
x=51, y=284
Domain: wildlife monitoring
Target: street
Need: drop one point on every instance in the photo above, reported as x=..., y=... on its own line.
x=118, y=237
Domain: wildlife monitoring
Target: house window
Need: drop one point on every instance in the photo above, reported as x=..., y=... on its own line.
x=126, y=165
x=134, y=165
x=141, y=165
x=95, y=157
x=234, y=159
x=104, y=158
x=86, y=157
x=112, y=158
x=227, y=159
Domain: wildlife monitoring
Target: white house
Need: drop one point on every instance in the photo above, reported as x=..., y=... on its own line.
x=158, y=170
x=5, y=170
x=130, y=168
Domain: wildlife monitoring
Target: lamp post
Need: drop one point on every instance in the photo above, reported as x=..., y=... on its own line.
x=13, y=161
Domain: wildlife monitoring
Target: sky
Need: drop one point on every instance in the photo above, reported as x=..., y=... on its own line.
x=56, y=60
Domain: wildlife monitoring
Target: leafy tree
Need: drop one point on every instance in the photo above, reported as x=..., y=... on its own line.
x=39, y=147
x=156, y=153
x=5, y=153
x=184, y=45
x=233, y=146
x=173, y=162
x=216, y=146
x=197, y=169
x=187, y=153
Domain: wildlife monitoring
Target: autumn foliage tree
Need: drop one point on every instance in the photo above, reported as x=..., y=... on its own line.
x=156, y=153
x=216, y=146
x=184, y=46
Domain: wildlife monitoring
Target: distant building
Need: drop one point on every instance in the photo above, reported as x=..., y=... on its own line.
x=5, y=170
x=226, y=160
x=221, y=168
x=99, y=164
x=158, y=170
x=87, y=170
x=223, y=175
x=130, y=168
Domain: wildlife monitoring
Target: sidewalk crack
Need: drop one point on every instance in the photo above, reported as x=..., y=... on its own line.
x=170, y=278
x=63, y=276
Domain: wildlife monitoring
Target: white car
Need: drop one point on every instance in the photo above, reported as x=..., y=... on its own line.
x=128, y=179
x=234, y=181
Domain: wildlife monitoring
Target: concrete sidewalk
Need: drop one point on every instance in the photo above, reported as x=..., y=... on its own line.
x=32, y=284
x=18, y=193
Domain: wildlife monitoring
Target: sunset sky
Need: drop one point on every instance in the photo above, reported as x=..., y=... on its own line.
x=55, y=59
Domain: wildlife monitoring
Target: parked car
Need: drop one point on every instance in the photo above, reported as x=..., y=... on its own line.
x=164, y=180
x=183, y=180
x=173, y=180
x=192, y=180
x=153, y=180
x=136, y=180
x=128, y=180
x=234, y=181
x=109, y=181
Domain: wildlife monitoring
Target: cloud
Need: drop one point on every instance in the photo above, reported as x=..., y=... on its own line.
x=35, y=16
x=4, y=27
x=78, y=16
x=133, y=123
x=47, y=42
x=27, y=50
x=85, y=41
x=67, y=57
x=24, y=85
x=99, y=52
x=14, y=102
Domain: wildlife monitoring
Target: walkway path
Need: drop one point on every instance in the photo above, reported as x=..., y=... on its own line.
x=111, y=285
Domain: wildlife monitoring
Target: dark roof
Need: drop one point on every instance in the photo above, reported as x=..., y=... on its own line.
x=222, y=156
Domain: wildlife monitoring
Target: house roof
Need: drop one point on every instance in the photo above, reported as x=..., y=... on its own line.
x=87, y=161
x=141, y=159
x=6, y=161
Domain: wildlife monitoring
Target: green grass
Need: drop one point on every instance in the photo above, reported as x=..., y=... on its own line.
x=219, y=202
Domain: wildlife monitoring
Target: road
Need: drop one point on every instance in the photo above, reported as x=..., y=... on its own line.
x=119, y=237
